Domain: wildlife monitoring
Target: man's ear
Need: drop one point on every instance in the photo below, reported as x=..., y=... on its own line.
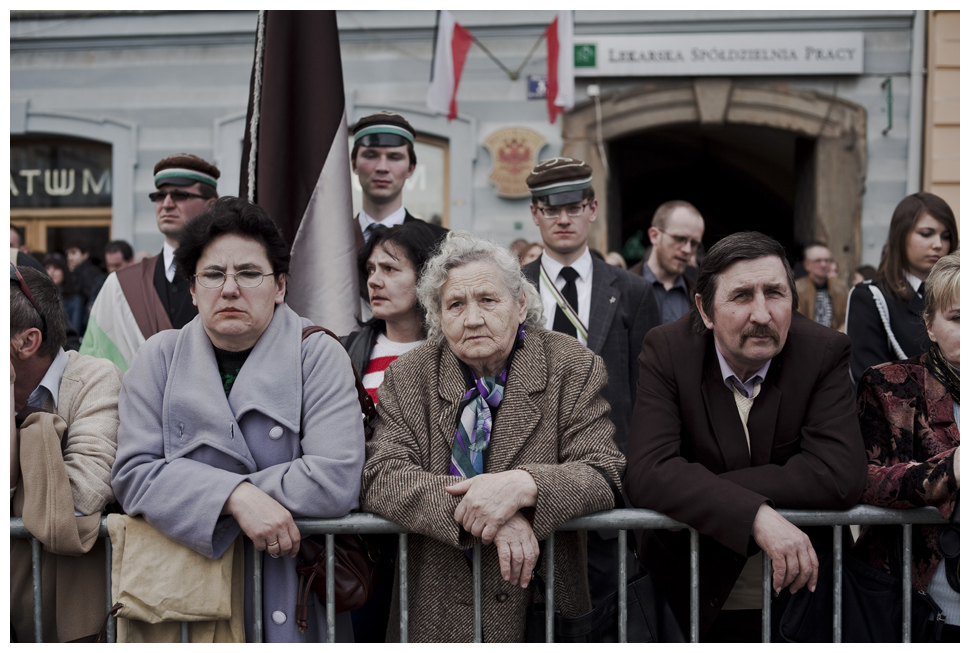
x=700, y=309
x=26, y=343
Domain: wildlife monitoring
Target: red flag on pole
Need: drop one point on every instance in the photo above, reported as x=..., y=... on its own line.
x=560, y=86
x=296, y=162
x=452, y=42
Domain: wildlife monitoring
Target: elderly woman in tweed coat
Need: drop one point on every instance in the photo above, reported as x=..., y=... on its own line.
x=494, y=428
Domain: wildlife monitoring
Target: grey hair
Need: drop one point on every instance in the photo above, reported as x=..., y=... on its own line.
x=460, y=248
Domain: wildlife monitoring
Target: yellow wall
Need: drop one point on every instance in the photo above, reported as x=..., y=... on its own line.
x=941, y=169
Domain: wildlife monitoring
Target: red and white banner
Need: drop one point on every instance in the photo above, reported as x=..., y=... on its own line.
x=450, y=50
x=561, y=87
x=295, y=159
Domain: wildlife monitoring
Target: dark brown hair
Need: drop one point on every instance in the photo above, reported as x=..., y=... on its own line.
x=893, y=264
x=744, y=246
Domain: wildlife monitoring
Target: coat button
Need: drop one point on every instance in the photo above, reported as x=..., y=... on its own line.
x=502, y=598
x=279, y=618
x=714, y=602
x=276, y=432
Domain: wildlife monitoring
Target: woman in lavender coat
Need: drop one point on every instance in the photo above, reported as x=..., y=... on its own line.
x=234, y=423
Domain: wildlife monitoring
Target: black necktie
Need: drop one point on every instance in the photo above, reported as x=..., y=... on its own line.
x=561, y=323
x=372, y=229
x=921, y=289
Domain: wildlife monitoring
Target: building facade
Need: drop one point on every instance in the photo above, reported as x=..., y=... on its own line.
x=802, y=124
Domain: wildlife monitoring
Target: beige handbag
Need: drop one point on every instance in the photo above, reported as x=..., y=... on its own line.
x=187, y=586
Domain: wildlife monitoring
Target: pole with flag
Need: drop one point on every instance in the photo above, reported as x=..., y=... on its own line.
x=295, y=160
x=451, y=45
x=561, y=86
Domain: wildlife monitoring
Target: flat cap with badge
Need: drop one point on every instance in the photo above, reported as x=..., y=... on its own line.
x=560, y=180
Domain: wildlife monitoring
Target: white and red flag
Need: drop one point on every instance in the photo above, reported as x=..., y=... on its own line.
x=452, y=42
x=561, y=86
x=295, y=161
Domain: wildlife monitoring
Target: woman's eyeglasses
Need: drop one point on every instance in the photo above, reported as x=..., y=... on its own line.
x=244, y=278
x=15, y=278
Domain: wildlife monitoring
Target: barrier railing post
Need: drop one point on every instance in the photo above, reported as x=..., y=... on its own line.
x=550, y=572
x=184, y=632
x=765, y=597
x=35, y=568
x=331, y=593
x=621, y=584
x=402, y=565
x=837, y=584
x=477, y=589
x=695, y=584
x=907, y=583
x=112, y=620
x=257, y=596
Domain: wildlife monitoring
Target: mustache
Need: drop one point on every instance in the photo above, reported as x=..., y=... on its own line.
x=760, y=331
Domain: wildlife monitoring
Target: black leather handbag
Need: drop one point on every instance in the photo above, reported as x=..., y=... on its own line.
x=872, y=608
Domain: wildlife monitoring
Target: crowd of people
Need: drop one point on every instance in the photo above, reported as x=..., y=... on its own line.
x=515, y=387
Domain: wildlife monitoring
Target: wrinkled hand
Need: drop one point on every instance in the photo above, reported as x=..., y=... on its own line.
x=956, y=467
x=491, y=499
x=517, y=549
x=264, y=520
x=792, y=556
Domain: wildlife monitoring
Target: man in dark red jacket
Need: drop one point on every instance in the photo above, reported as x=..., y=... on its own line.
x=743, y=406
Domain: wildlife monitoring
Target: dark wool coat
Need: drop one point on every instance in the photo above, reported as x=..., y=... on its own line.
x=907, y=423
x=552, y=423
x=688, y=458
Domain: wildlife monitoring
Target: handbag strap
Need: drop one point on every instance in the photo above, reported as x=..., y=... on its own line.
x=367, y=407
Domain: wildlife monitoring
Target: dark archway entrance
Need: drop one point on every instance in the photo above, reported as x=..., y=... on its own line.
x=740, y=177
x=752, y=154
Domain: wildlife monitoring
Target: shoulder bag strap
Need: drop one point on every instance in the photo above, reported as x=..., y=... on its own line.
x=366, y=402
x=567, y=309
x=883, y=310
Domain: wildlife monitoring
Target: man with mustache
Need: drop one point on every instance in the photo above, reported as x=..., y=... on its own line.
x=744, y=406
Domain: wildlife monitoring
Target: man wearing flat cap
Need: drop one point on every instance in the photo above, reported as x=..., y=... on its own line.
x=607, y=309
x=383, y=159
x=139, y=301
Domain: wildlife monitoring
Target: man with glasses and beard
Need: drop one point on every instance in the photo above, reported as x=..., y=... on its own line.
x=139, y=301
x=607, y=309
x=675, y=234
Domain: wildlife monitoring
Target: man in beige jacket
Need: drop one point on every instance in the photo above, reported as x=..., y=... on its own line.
x=63, y=439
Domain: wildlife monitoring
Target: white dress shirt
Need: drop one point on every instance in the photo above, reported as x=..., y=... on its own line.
x=584, y=287
x=392, y=220
x=168, y=260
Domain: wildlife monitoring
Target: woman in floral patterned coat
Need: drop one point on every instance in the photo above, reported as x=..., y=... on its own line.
x=909, y=412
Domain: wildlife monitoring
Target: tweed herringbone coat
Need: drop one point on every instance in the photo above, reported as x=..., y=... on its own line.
x=552, y=423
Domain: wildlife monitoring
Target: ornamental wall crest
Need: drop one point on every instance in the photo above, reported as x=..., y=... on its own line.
x=515, y=152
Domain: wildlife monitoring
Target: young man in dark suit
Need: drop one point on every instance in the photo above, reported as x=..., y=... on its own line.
x=607, y=309
x=744, y=406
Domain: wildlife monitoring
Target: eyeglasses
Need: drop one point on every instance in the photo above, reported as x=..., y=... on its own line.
x=177, y=195
x=19, y=280
x=682, y=240
x=572, y=210
x=244, y=278
x=823, y=261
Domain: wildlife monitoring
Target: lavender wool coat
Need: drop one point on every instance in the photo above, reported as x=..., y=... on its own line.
x=184, y=446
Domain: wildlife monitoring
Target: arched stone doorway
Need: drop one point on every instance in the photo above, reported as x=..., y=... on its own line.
x=750, y=154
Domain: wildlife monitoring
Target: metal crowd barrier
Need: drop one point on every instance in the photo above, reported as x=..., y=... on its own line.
x=622, y=520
